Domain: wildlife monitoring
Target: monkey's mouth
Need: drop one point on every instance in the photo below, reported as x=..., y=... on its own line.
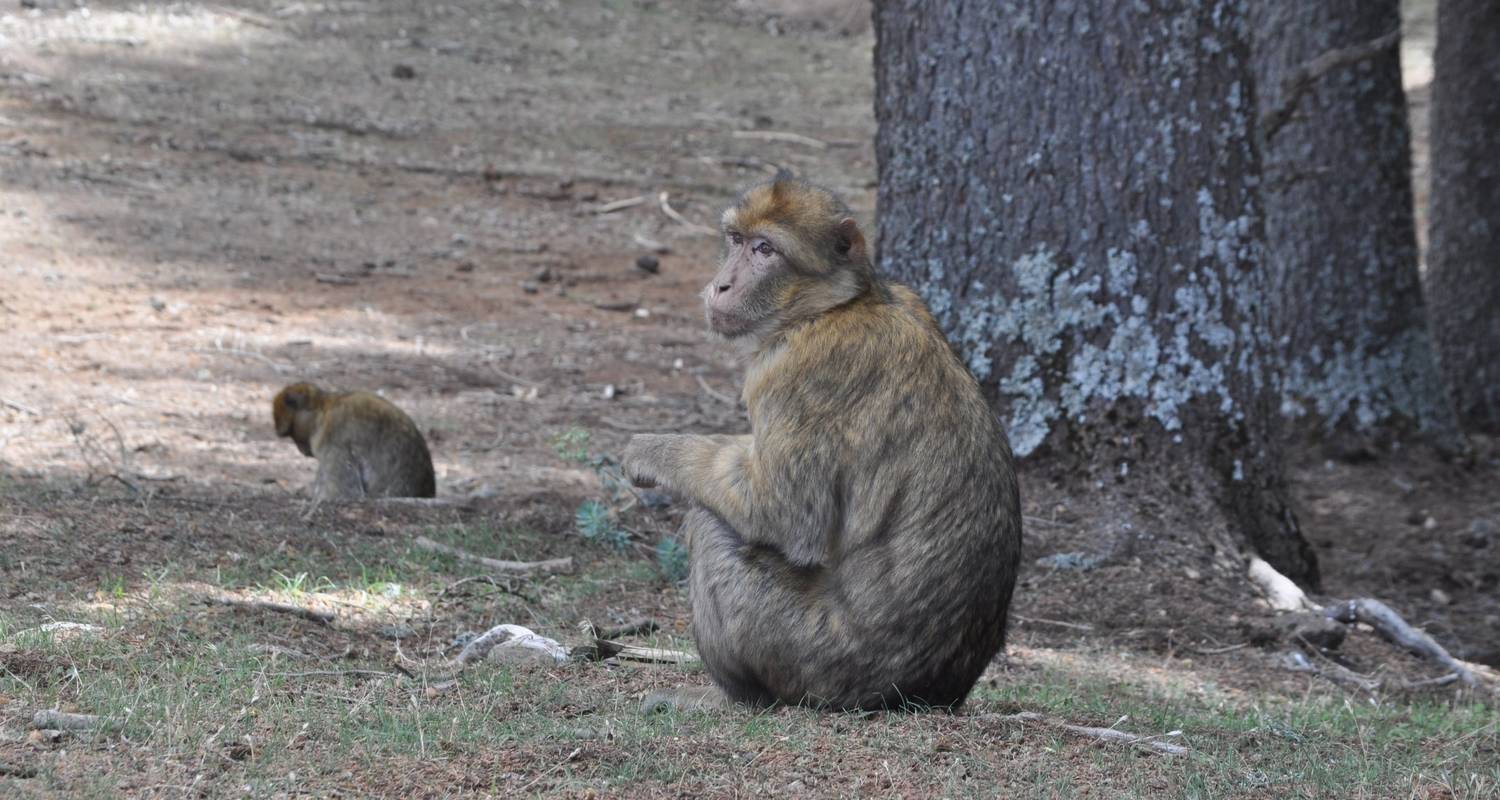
x=726, y=324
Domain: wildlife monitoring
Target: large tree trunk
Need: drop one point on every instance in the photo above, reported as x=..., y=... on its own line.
x=1346, y=294
x=1073, y=191
x=1463, y=254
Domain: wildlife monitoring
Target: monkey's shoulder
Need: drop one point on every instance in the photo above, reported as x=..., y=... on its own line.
x=355, y=416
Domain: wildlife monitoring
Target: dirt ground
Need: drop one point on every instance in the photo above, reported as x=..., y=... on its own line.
x=200, y=203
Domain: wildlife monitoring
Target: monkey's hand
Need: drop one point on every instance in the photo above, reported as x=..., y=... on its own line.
x=646, y=458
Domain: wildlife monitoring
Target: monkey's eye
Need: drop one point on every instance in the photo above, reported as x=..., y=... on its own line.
x=764, y=248
x=736, y=239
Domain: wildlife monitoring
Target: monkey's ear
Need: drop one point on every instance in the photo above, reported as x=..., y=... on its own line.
x=781, y=183
x=851, y=242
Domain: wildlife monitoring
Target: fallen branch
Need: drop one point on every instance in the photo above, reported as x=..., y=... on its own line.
x=666, y=208
x=781, y=136
x=620, y=205
x=54, y=720
x=5, y=401
x=1059, y=623
x=320, y=617
x=550, y=566
x=1101, y=734
x=714, y=393
x=1296, y=84
x=1390, y=625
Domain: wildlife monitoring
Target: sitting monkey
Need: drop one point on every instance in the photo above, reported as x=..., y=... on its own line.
x=857, y=549
x=365, y=446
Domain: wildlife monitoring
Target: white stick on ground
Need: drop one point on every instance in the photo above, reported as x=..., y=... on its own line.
x=550, y=566
x=1102, y=734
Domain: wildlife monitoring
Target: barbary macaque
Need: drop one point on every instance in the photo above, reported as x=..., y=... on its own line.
x=857, y=549
x=364, y=444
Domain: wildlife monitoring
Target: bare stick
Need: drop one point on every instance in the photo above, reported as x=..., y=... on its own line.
x=1302, y=78
x=1390, y=625
x=621, y=205
x=1102, y=734
x=666, y=208
x=320, y=617
x=1059, y=623
x=630, y=652
x=781, y=136
x=717, y=395
x=52, y=719
x=550, y=566
x=5, y=401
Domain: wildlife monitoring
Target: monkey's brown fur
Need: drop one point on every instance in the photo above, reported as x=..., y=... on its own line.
x=365, y=446
x=859, y=548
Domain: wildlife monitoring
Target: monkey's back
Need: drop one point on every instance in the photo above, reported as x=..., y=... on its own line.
x=919, y=581
x=384, y=443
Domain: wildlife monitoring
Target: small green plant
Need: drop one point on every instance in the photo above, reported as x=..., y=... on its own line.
x=596, y=523
x=672, y=559
x=571, y=445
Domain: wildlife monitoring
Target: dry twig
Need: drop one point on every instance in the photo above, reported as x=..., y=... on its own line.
x=1296, y=84
x=550, y=566
x=320, y=617
x=666, y=208
x=1102, y=734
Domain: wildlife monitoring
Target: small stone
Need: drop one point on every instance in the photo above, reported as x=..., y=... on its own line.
x=642, y=313
x=609, y=391
x=403, y=72
x=530, y=287
x=157, y=304
x=467, y=266
x=1480, y=533
x=1440, y=597
x=1193, y=574
x=1429, y=524
x=648, y=263
x=543, y=275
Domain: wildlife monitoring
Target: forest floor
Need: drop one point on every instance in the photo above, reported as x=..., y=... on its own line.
x=202, y=202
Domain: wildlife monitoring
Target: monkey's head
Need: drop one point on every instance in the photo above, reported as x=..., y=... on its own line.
x=295, y=412
x=791, y=252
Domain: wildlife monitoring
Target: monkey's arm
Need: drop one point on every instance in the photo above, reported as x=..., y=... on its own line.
x=339, y=476
x=726, y=475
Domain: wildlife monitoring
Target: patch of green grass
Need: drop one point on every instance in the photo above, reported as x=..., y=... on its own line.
x=201, y=701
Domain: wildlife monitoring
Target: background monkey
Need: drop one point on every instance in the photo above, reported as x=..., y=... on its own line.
x=859, y=547
x=365, y=446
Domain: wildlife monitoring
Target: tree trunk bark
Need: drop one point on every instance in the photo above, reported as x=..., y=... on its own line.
x=1346, y=296
x=1463, y=255
x=1072, y=187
